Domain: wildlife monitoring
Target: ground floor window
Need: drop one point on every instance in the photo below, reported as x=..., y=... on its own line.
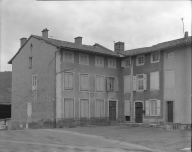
x=68, y=106
x=152, y=107
x=84, y=108
x=99, y=108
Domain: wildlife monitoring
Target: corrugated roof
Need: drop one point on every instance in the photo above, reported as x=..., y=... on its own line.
x=159, y=46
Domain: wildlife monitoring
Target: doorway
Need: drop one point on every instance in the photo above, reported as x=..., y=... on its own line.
x=138, y=112
x=170, y=111
x=112, y=110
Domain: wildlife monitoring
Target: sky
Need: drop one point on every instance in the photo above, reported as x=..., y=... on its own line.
x=136, y=23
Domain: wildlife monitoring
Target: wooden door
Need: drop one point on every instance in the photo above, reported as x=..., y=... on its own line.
x=139, y=112
x=112, y=110
x=170, y=111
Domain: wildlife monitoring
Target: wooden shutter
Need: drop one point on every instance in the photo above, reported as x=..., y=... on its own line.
x=70, y=75
x=117, y=84
x=158, y=107
x=108, y=84
x=127, y=108
x=145, y=82
x=127, y=84
x=134, y=83
x=123, y=63
x=29, y=109
x=147, y=108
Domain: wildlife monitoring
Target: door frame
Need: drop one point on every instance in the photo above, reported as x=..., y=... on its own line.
x=135, y=110
x=166, y=110
x=116, y=107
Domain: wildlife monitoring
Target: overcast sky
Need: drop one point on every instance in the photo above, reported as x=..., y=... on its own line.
x=136, y=23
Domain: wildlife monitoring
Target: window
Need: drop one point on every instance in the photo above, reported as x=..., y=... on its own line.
x=99, y=108
x=127, y=84
x=112, y=84
x=68, y=108
x=140, y=85
x=84, y=82
x=155, y=57
x=34, y=82
x=111, y=63
x=68, y=81
x=152, y=107
x=84, y=59
x=140, y=60
x=128, y=62
x=140, y=82
x=68, y=56
x=170, y=79
x=30, y=62
x=99, y=83
x=99, y=61
x=154, y=80
x=84, y=108
x=170, y=54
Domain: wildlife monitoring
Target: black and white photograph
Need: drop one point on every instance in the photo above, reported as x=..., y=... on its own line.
x=95, y=76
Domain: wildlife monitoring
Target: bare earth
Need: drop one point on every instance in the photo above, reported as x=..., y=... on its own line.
x=94, y=139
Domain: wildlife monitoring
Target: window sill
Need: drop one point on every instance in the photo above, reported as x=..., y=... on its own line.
x=140, y=64
x=84, y=63
x=154, y=61
x=69, y=61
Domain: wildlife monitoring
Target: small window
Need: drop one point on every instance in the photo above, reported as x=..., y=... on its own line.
x=84, y=82
x=170, y=54
x=99, y=61
x=155, y=57
x=34, y=82
x=68, y=81
x=140, y=60
x=99, y=83
x=84, y=59
x=111, y=63
x=30, y=62
x=68, y=56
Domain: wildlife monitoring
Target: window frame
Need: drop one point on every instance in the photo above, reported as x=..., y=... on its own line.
x=137, y=60
x=67, y=60
x=152, y=89
x=154, y=53
x=84, y=63
x=99, y=65
x=103, y=84
x=137, y=84
x=150, y=107
x=80, y=82
x=109, y=65
x=68, y=89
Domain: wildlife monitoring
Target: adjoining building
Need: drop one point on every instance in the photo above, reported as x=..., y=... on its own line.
x=56, y=80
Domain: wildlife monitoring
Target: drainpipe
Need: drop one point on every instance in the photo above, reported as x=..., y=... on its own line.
x=132, y=106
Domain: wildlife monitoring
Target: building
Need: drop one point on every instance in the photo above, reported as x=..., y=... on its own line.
x=57, y=80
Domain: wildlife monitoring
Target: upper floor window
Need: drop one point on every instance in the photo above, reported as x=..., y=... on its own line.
x=99, y=61
x=84, y=59
x=170, y=54
x=155, y=57
x=112, y=84
x=154, y=80
x=99, y=83
x=84, y=82
x=34, y=82
x=111, y=63
x=140, y=60
x=140, y=82
x=30, y=62
x=68, y=56
x=68, y=81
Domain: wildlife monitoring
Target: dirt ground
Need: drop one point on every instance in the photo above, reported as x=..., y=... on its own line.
x=155, y=138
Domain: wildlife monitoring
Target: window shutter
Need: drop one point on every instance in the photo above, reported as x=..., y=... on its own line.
x=147, y=108
x=158, y=107
x=117, y=84
x=108, y=84
x=123, y=63
x=134, y=83
x=145, y=82
x=29, y=109
x=70, y=81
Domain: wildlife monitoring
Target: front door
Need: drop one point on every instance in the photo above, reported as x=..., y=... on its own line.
x=112, y=110
x=170, y=111
x=139, y=112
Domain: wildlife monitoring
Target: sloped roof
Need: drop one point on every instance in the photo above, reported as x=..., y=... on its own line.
x=5, y=87
x=159, y=46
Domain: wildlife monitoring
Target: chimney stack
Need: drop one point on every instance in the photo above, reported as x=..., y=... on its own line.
x=119, y=47
x=186, y=34
x=78, y=40
x=23, y=40
x=45, y=33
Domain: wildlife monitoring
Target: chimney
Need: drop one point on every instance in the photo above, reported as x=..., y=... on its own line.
x=186, y=34
x=23, y=40
x=119, y=47
x=78, y=40
x=45, y=33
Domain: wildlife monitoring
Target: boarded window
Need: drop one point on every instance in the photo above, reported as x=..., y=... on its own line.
x=84, y=108
x=68, y=108
x=170, y=79
x=34, y=82
x=84, y=82
x=127, y=84
x=68, y=81
x=99, y=108
x=154, y=80
x=100, y=83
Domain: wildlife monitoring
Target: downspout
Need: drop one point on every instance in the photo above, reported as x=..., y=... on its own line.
x=132, y=106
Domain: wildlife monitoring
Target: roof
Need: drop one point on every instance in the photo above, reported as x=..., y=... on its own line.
x=159, y=46
x=5, y=87
x=96, y=48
